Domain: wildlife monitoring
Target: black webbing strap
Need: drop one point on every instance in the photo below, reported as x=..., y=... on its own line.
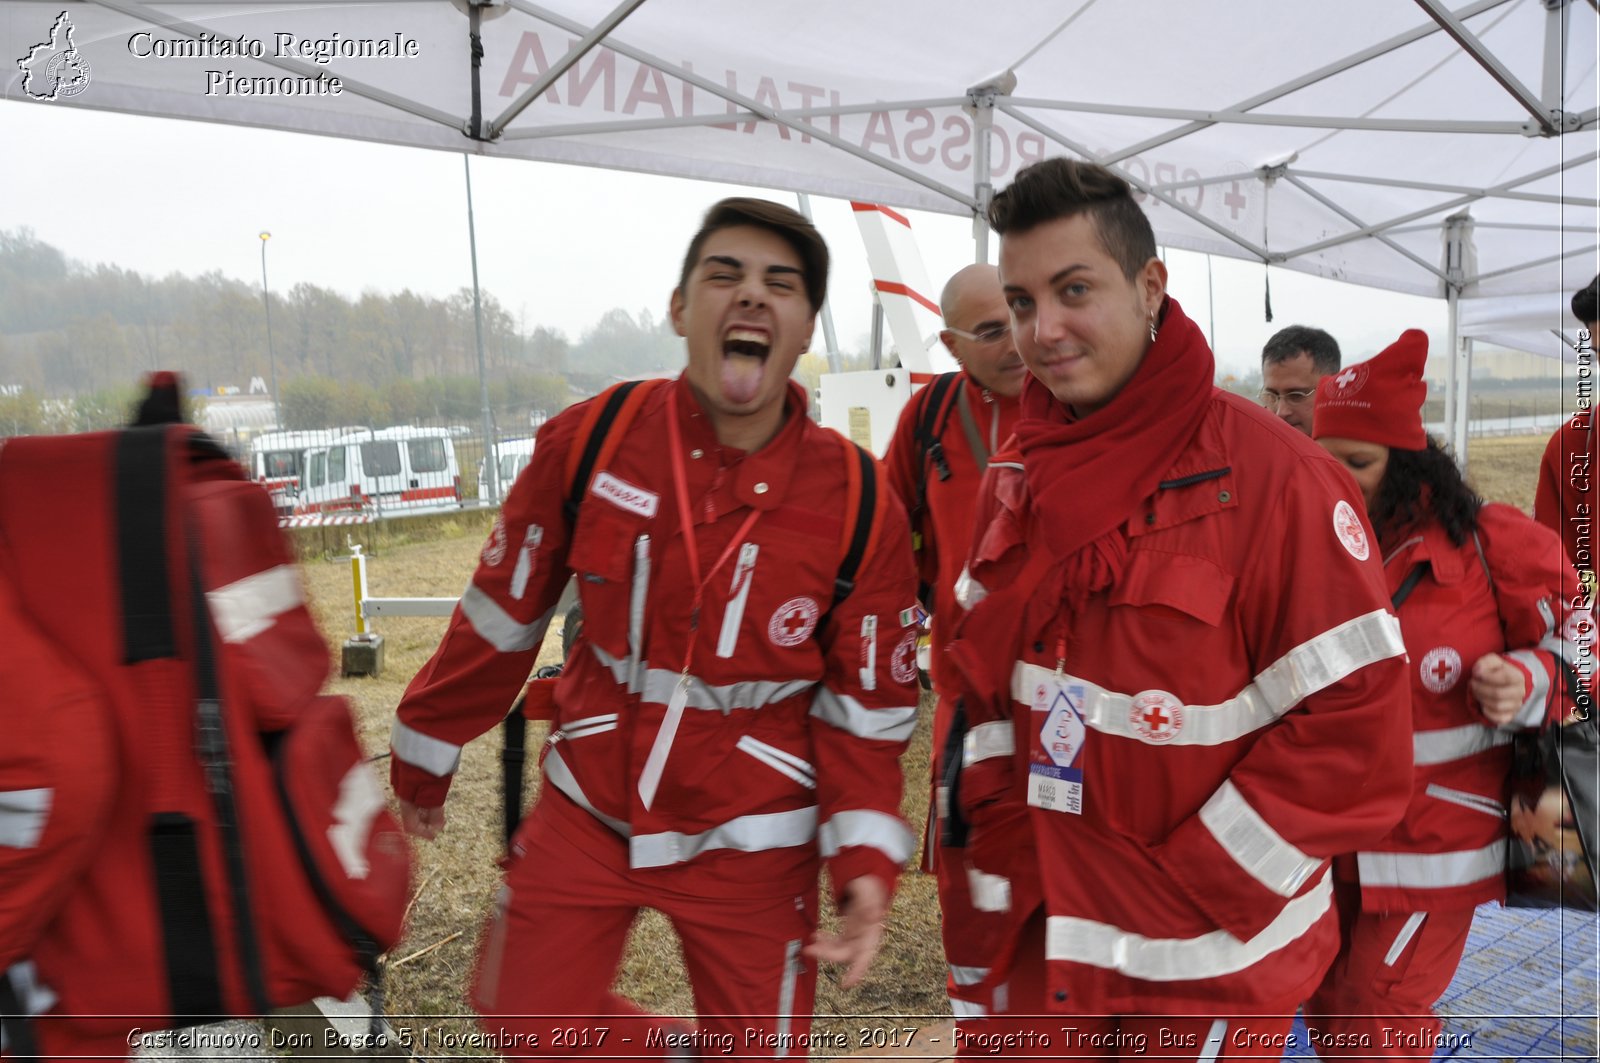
x=140, y=497
x=930, y=430
x=513, y=754
x=845, y=581
x=141, y=501
x=591, y=450
x=211, y=744
x=1413, y=578
x=14, y=1022
x=969, y=427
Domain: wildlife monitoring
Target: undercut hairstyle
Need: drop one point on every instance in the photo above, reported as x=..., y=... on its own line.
x=1288, y=342
x=1586, y=303
x=1064, y=188
x=1419, y=482
x=789, y=224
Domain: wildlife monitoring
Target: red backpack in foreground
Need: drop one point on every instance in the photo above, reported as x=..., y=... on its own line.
x=188, y=829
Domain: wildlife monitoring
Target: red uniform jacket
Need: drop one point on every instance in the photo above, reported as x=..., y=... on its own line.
x=795, y=721
x=1450, y=849
x=1241, y=719
x=946, y=521
x=1569, y=489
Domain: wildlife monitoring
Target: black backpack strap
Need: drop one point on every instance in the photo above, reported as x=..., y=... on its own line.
x=1413, y=578
x=15, y=1023
x=591, y=449
x=845, y=581
x=930, y=430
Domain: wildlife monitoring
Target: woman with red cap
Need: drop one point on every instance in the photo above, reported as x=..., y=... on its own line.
x=1492, y=644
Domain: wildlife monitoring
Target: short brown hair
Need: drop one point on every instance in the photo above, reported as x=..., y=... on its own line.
x=1062, y=188
x=790, y=224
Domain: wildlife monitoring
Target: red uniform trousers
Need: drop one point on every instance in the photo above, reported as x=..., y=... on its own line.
x=971, y=937
x=1026, y=1021
x=555, y=944
x=1376, y=1001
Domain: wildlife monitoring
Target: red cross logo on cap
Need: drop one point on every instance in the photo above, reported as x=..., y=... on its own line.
x=1344, y=378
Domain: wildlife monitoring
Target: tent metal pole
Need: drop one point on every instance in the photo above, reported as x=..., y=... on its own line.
x=1258, y=253
x=1557, y=16
x=1310, y=121
x=1485, y=58
x=1320, y=74
x=723, y=92
x=1498, y=192
x=982, y=106
x=490, y=463
x=579, y=129
x=593, y=37
x=828, y=337
x=1537, y=262
x=1353, y=220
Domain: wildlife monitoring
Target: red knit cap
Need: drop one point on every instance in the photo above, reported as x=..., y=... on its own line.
x=1380, y=400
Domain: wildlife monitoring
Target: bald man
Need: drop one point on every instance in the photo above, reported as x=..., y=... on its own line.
x=974, y=413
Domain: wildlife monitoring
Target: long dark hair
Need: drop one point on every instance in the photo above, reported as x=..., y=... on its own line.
x=1419, y=483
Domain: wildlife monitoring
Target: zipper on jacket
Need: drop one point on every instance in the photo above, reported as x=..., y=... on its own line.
x=636, y=602
x=738, y=594
x=869, y=652
x=1467, y=799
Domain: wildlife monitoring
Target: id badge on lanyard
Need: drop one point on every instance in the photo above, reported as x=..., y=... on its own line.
x=1055, y=759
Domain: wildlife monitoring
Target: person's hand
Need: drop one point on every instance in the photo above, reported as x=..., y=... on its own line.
x=864, y=906
x=425, y=823
x=1499, y=687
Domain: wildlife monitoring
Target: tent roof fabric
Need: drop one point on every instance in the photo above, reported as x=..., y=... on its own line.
x=1336, y=139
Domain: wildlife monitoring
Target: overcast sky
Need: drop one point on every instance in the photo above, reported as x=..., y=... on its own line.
x=558, y=245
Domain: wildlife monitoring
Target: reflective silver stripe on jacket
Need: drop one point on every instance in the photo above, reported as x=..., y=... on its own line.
x=658, y=685
x=1421, y=871
x=433, y=755
x=1455, y=743
x=247, y=607
x=588, y=725
x=746, y=834
x=496, y=627
x=560, y=776
x=1253, y=844
x=23, y=814
x=1534, y=708
x=1312, y=666
x=990, y=893
x=35, y=997
x=1074, y=940
x=786, y=991
x=876, y=830
x=987, y=741
x=1467, y=799
x=893, y=724
x=780, y=761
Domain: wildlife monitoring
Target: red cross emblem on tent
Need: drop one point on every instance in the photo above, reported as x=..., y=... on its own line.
x=1440, y=668
x=793, y=621
x=1156, y=716
x=1347, y=526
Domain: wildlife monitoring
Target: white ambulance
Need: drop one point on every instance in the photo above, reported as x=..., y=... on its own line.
x=393, y=470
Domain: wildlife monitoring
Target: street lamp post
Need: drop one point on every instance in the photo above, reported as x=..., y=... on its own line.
x=272, y=361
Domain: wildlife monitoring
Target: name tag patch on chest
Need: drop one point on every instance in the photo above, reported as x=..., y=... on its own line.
x=1055, y=763
x=624, y=495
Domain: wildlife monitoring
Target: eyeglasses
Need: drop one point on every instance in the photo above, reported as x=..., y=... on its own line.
x=1274, y=399
x=992, y=334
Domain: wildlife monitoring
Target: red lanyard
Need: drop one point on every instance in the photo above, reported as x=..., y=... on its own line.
x=686, y=518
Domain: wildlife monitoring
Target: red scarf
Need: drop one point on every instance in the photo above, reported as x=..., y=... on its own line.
x=1086, y=476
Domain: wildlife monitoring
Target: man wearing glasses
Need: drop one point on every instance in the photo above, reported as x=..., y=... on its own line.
x=936, y=474
x=1292, y=363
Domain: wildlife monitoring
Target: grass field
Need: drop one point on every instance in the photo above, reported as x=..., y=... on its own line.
x=429, y=972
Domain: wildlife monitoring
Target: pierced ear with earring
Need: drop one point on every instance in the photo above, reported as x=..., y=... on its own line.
x=1152, y=326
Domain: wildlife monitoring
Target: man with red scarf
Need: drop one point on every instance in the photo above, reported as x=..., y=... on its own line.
x=1182, y=680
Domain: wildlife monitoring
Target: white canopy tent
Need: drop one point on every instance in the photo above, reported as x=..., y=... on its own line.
x=1449, y=152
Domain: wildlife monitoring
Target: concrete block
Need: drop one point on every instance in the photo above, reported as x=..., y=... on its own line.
x=363, y=655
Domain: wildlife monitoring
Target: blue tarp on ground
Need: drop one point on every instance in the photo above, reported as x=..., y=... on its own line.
x=1526, y=990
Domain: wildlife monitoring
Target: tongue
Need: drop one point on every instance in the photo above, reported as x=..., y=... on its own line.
x=741, y=378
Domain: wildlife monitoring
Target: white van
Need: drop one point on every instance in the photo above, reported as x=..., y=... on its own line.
x=514, y=455
x=394, y=470
x=276, y=460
